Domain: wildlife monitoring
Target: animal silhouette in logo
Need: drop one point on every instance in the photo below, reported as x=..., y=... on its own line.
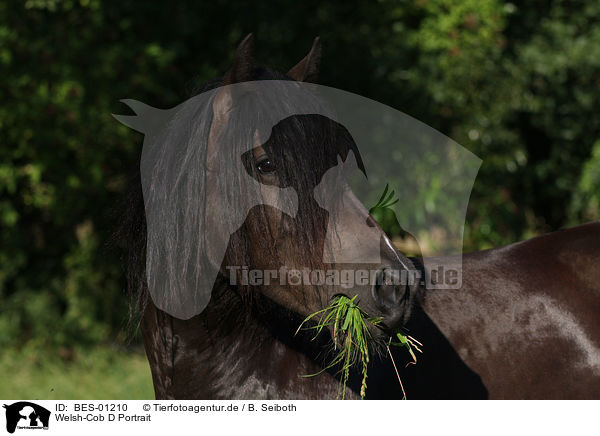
x=197, y=190
x=197, y=187
x=26, y=414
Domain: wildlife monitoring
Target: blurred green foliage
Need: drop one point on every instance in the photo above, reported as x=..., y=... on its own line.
x=99, y=373
x=518, y=85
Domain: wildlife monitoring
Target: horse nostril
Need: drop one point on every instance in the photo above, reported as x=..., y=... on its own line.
x=388, y=290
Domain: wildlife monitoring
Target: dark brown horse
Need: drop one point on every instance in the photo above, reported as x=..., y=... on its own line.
x=523, y=325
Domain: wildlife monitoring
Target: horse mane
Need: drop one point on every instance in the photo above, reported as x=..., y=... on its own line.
x=130, y=232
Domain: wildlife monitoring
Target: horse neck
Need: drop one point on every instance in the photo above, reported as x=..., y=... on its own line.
x=230, y=351
x=447, y=307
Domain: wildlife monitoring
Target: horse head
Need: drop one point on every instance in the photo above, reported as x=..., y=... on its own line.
x=247, y=182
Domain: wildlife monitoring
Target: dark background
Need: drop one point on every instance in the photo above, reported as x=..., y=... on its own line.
x=517, y=84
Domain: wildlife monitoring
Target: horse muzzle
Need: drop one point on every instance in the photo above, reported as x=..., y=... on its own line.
x=393, y=293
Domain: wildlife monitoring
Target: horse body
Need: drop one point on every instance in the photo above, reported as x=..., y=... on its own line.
x=524, y=324
x=526, y=319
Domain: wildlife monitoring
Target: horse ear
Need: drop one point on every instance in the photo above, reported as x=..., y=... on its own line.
x=307, y=70
x=147, y=117
x=243, y=62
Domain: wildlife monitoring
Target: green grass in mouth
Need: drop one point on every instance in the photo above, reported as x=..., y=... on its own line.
x=352, y=340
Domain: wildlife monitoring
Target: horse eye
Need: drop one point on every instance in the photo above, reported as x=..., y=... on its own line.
x=265, y=166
